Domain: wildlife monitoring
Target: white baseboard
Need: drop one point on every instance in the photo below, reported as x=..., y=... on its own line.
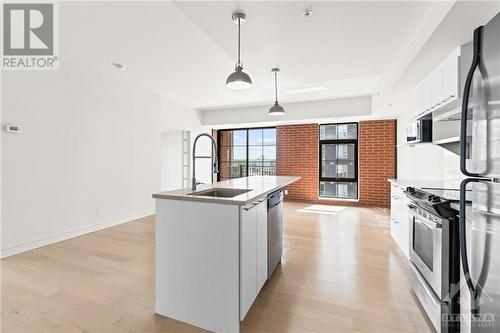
x=27, y=246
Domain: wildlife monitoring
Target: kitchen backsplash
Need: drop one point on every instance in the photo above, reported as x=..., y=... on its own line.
x=451, y=169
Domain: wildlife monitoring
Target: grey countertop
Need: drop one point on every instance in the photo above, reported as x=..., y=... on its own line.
x=259, y=187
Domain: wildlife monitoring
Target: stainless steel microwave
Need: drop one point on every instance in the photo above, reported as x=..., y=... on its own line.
x=419, y=131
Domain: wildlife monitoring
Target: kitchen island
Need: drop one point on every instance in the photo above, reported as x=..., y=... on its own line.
x=211, y=250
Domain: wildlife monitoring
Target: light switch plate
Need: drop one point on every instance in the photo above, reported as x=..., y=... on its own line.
x=13, y=129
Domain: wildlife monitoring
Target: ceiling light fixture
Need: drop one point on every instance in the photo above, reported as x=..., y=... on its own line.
x=276, y=109
x=118, y=66
x=307, y=13
x=305, y=90
x=238, y=79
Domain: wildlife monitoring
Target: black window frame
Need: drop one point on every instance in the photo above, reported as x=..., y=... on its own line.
x=247, y=129
x=339, y=179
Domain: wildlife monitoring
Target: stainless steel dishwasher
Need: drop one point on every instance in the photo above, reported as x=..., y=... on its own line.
x=274, y=230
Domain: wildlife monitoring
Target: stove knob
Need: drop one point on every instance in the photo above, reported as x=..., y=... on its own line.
x=410, y=189
x=430, y=196
x=436, y=199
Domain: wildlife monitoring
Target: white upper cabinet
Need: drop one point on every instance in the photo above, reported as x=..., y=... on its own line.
x=450, y=89
x=441, y=88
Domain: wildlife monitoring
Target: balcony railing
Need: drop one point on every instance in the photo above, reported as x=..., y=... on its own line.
x=237, y=171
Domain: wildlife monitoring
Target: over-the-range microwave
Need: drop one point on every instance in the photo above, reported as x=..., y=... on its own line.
x=419, y=131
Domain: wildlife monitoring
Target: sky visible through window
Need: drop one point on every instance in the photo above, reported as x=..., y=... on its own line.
x=248, y=152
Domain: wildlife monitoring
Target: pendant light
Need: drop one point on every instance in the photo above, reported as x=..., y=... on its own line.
x=276, y=109
x=238, y=79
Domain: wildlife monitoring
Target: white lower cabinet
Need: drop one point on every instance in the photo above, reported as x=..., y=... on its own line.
x=400, y=231
x=261, y=245
x=253, y=253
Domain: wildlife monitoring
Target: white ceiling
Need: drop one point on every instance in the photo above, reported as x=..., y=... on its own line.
x=185, y=50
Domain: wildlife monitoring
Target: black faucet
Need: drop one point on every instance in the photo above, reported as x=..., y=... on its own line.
x=215, y=160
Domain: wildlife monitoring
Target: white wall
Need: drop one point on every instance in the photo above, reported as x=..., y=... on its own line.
x=88, y=157
x=171, y=160
x=176, y=116
x=303, y=111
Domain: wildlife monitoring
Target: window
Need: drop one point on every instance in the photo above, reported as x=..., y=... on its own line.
x=245, y=152
x=338, y=171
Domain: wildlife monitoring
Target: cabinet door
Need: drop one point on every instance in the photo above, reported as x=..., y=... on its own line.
x=396, y=231
x=436, y=88
x=261, y=244
x=420, y=105
x=248, y=259
x=426, y=95
x=405, y=226
x=450, y=79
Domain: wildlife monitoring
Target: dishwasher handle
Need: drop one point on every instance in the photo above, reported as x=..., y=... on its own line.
x=274, y=199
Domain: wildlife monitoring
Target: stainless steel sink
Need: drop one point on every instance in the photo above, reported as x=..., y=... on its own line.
x=220, y=192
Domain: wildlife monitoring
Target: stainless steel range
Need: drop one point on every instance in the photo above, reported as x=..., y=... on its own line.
x=435, y=256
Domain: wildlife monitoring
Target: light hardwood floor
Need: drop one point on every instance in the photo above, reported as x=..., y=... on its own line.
x=340, y=272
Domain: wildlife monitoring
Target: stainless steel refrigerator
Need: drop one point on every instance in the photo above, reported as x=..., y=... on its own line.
x=480, y=161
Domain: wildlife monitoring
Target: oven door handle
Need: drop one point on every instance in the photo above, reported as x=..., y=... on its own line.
x=427, y=222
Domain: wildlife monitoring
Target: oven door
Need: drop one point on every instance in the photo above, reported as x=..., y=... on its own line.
x=426, y=249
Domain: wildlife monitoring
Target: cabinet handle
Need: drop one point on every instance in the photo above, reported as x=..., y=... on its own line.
x=395, y=197
x=394, y=220
x=253, y=204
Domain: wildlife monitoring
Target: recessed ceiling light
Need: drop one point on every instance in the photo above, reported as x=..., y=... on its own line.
x=305, y=90
x=118, y=66
x=307, y=13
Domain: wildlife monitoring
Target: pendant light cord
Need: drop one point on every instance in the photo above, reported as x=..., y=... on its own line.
x=276, y=86
x=239, y=37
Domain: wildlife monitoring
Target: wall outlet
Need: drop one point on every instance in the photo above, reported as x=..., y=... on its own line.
x=286, y=192
x=99, y=212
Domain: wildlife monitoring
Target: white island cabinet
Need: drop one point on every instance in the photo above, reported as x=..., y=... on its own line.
x=211, y=251
x=253, y=253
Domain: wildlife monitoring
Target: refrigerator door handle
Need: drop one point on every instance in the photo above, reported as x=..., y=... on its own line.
x=462, y=228
x=465, y=102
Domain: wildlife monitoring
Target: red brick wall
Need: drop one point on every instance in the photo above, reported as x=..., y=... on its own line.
x=297, y=155
x=377, y=161
x=225, y=144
